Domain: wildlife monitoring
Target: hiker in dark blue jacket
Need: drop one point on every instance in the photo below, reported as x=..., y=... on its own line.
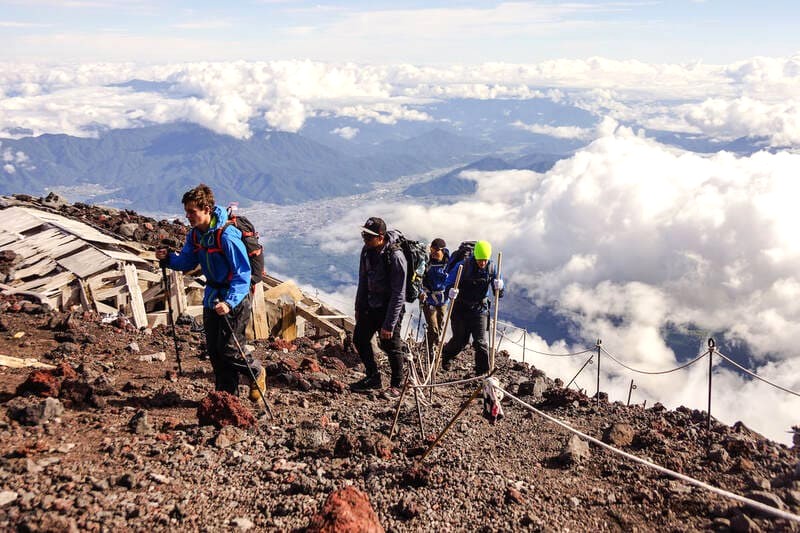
x=221, y=254
x=434, y=295
x=380, y=305
x=470, y=316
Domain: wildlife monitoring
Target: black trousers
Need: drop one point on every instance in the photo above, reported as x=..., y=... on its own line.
x=225, y=358
x=466, y=324
x=368, y=324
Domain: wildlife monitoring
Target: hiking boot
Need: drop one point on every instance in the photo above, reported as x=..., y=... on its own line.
x=447, y=363
x=392, y=393
x=368, y=383
x=260, y=384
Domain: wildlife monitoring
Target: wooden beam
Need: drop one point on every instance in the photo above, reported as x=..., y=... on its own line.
x=326, y=326
x=28, y=362
x=137, y=304
x=258, y=328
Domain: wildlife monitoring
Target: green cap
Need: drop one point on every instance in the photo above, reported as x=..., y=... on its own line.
x=483, y=250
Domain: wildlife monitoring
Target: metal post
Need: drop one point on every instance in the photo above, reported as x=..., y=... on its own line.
x=711, y=347
x=599, y=342
x=452, y=421
x=588, y=361
x=630, y=390
x=524, y=342
x=399, y=404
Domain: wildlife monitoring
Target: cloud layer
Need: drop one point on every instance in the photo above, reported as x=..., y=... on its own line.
x=757, y=97
x=629, y=237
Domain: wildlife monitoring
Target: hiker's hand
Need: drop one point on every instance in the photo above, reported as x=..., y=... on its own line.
x=453, y=293
x=386, y=334
x=498, y=285
x=161, y=253
x=222, y=308
x=422, y=296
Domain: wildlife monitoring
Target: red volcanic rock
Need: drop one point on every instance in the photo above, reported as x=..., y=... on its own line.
x=65, y=370
x=222, y=409
x=346, y=510
x=309, y=365
x=280, y=344
x=40, y=383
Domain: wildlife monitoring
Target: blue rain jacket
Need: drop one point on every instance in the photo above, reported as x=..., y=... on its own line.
x=433, y=282
x=225, y=264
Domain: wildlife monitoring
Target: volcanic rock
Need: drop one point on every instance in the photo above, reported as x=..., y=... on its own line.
x=619, y=435
x=40, y=383
x=346, y=509
x=575, y=451
x=222, y=409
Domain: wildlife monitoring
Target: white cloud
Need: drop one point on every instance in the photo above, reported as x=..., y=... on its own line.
x=629, y=236
x=9, y=168
x=563, y=132
x=345, y=132
x=755, y=97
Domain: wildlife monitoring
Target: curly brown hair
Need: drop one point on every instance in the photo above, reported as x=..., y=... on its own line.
x=201, y=196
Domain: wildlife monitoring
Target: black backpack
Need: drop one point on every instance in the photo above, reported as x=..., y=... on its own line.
x=416, y=255
x=255, y=252
x=464, y=252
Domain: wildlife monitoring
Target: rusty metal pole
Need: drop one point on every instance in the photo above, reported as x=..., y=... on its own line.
x=630, y=390
x=452, y=421
x=588, y=361
x=711, y=347
x=524, y=342
x=397, y=411
x=599, y=342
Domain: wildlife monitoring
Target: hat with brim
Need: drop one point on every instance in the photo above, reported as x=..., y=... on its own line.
x=374, y=226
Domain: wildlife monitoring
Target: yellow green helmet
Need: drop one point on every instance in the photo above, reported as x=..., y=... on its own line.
x=483, y=250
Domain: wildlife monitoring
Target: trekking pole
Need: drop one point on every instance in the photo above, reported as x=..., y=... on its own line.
x=171, y=318
x=452, y=421
x=419, y=322
x=438, y=355
x=496, y=306
x=244, y=359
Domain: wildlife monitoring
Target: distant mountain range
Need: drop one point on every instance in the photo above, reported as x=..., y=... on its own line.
x=151, y=167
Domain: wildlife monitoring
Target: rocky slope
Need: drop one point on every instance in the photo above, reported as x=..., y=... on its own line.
x=114, y=439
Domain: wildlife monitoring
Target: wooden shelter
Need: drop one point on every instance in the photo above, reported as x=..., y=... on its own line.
x=64, y=263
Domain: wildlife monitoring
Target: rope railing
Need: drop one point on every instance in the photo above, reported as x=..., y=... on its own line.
x=655, y=372
x=677, y=475
x=753, y=374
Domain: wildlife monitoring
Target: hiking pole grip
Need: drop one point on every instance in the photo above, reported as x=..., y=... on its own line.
x=168, y=296
x=496, y=306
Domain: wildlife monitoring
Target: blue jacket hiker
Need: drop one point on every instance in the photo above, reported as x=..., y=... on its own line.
x=470, y=315
x=218, y=248
x=434, y=296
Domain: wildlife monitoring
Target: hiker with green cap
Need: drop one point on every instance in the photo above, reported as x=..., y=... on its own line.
x=470, y=314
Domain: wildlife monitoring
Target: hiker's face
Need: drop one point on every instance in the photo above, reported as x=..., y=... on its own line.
x=437, y=255
x=198, y=217
x=372, y=241
x=482, y=263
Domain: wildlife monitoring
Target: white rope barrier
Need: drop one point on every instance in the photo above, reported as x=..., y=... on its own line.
x=677, y=475
x=448, y=383
x=753, y=374
x=654, y=372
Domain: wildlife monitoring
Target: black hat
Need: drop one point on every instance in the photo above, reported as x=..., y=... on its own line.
x=438, y=243
x=374, y=226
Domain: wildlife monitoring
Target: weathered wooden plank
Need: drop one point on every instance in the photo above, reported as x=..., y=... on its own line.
x=156, y=319
x=177, y=293
x=18, y=362
x=87, y=306
x=325, y=325
x=156, y=291
x=137, y=304
x=151, y=277
x=258, y=328
x=86, y=262
x=105, y=308
x=287, y=288
x=42, y=267
x=288, y=322
x=43, y=285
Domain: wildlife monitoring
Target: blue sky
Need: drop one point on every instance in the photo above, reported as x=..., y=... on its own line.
x=712, y=31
